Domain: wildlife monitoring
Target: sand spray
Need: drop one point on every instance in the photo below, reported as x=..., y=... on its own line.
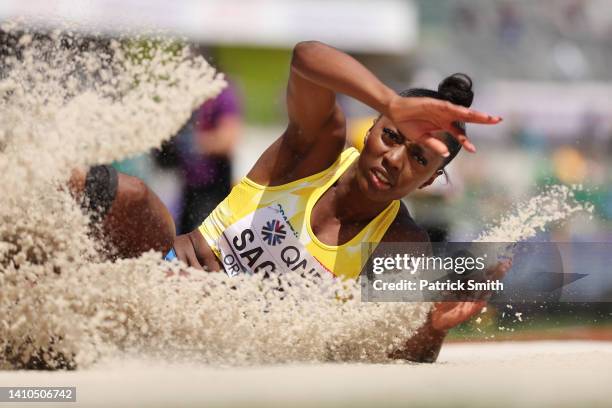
x=68, y=101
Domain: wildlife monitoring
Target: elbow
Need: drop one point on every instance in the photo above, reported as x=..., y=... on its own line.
x=303, y=46
x=163, y=230
x=165, y=235
x=302, y=52
x=143, y=222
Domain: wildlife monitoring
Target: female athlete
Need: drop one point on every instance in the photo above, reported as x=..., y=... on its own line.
x=309, y=203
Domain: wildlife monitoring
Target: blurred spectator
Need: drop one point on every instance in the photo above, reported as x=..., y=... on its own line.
x=203, y=152
x=465, y=17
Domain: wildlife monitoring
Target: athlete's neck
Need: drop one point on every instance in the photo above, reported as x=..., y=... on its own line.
x=350, y=202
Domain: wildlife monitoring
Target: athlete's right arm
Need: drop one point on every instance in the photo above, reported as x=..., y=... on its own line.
x=316, y=133
x=319, y=71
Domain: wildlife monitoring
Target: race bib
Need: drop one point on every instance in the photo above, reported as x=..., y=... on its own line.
x=264, y=241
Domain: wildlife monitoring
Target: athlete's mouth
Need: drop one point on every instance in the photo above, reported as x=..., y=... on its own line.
x=380, y=179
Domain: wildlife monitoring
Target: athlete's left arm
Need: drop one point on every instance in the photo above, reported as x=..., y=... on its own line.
x=136, y=222
x=424, y=346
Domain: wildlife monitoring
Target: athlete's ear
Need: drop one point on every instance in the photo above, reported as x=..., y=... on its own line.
x=432, y=178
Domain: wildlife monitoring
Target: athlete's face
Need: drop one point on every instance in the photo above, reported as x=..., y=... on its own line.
x=391, y=166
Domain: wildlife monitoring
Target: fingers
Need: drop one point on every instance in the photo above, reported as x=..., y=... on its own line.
x=444, y=306
x=458, y=134
x=192, y=260
x=454, y=313
x=451, y=113
x=463, y=114
x=494, y=273
x=473, y=116
x=441, y=115
x=188, y=256
x=474, y=307
x=185, y=252
x=435, y=144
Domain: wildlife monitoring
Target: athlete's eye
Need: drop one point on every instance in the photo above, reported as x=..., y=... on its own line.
x=392, y=136
x=417, y=152
x=422, y=160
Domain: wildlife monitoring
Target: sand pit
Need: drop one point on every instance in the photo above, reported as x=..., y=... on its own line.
x=62, y=299
x=475, y=374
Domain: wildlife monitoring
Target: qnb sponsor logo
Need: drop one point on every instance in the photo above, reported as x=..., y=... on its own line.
x=273, y=232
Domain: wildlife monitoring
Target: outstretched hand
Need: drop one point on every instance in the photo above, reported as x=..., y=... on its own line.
x=417, y=118
x=446, y=315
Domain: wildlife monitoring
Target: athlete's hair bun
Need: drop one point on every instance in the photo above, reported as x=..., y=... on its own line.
x=457, y=89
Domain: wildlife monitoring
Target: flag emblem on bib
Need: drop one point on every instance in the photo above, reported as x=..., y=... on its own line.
x=273, y=232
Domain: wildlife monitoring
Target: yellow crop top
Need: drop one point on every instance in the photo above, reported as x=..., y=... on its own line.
x=268, y=228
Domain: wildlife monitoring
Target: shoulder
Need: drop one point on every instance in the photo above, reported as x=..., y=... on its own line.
x=405, y=229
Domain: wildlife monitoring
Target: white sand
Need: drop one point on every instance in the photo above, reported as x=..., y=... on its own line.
x=503, y=374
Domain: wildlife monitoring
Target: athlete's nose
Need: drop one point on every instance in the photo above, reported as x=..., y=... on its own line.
x=393, y=161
